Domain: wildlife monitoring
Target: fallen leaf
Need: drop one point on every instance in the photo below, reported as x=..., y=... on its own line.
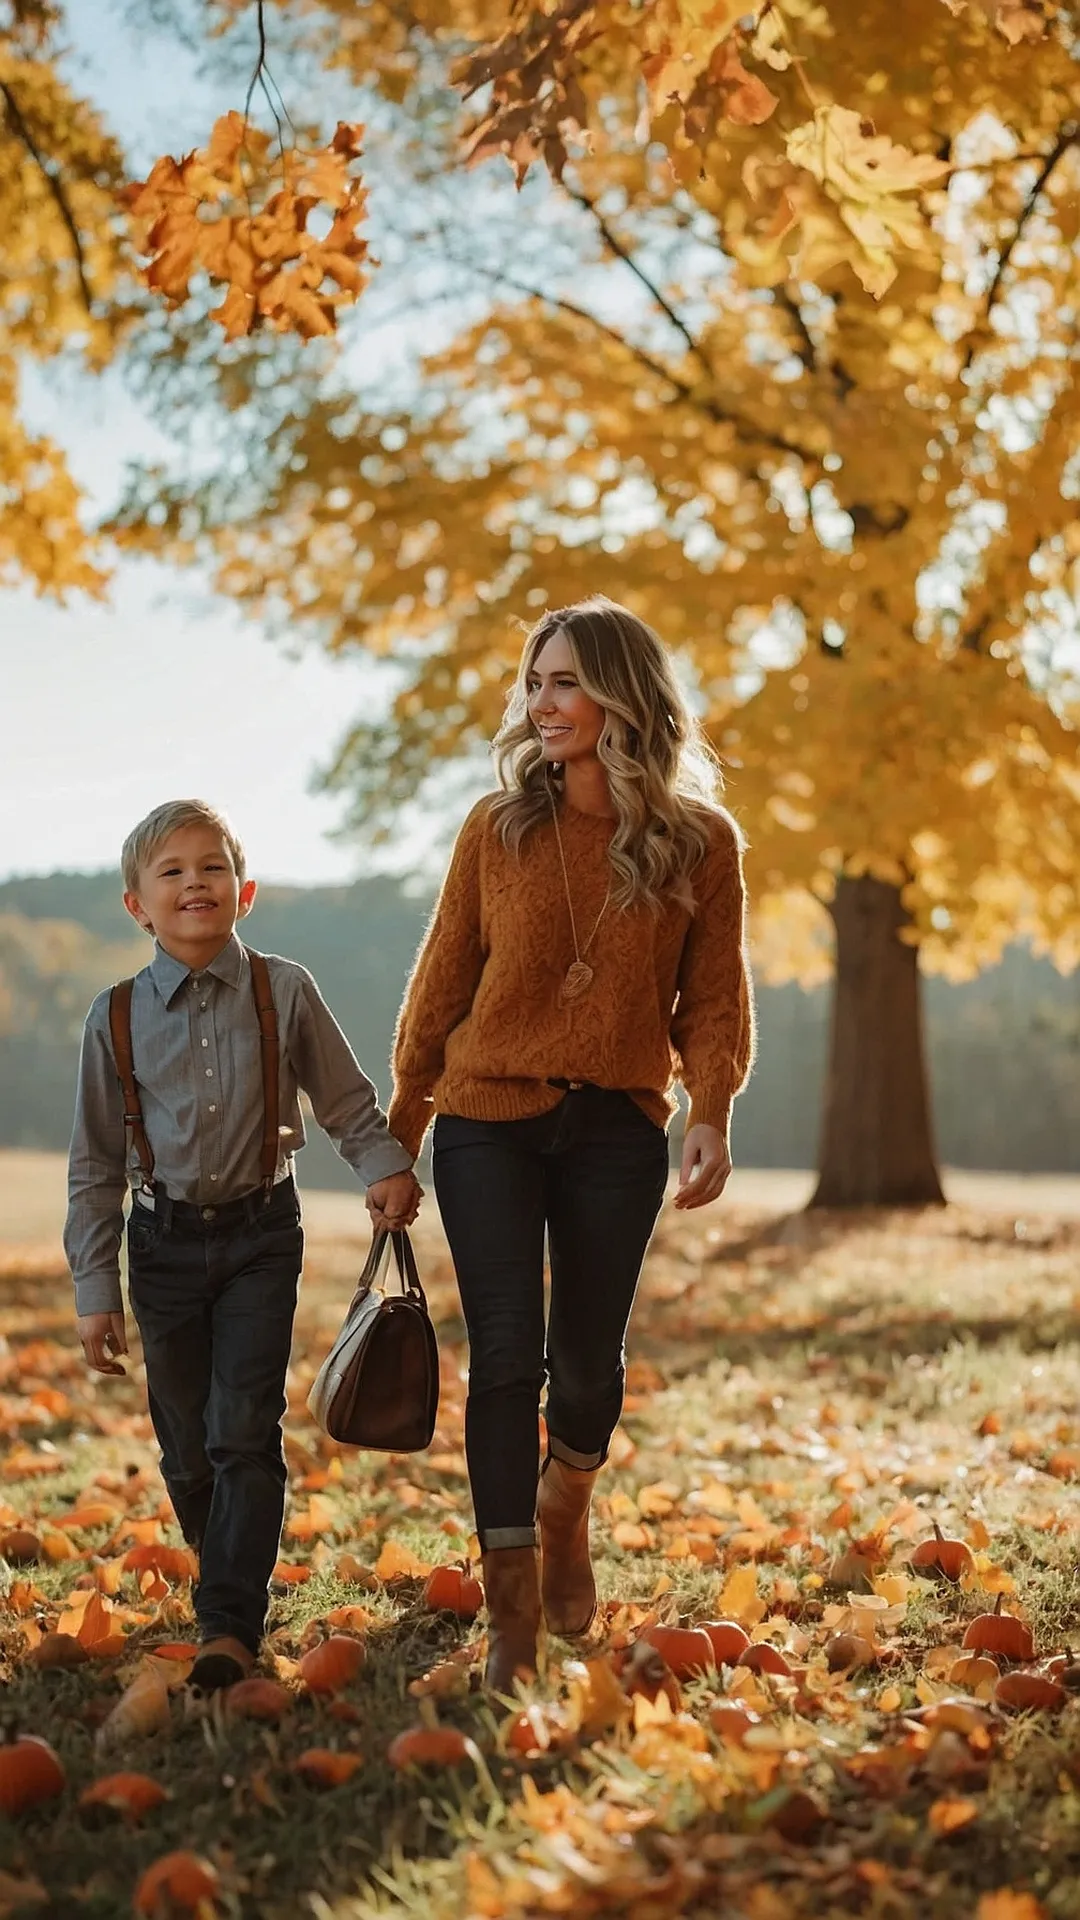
x=396, y=1562
x=142, y=1708
x=950, y=1813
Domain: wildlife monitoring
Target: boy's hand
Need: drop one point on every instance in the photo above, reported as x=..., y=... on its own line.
x=103, y=1334
x=395, y=1202
x=706, y=1164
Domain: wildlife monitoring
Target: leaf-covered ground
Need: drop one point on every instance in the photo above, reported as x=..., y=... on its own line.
x=807, y=1396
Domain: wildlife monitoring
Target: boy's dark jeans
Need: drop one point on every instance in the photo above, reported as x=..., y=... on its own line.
x=593, y=1173
x=214, y=1293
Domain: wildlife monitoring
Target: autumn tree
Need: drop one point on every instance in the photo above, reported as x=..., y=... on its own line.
x=65, y=290
x=784, y=357
x=785, y=360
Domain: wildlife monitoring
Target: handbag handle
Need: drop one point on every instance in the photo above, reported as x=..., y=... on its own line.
x=378, y=1259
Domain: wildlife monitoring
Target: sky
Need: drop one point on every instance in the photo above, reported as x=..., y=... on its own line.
x=160, y=692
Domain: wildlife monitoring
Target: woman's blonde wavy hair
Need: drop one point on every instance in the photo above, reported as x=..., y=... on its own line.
x=664, y=779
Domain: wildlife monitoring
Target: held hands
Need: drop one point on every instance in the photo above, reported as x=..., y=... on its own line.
x=706, y=1164
x=395, y=1202
x=103, y=1335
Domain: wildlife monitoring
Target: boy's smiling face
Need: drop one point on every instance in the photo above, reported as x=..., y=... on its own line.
x=190, y=896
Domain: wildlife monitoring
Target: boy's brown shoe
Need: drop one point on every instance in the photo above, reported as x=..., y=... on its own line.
x=221, y=1663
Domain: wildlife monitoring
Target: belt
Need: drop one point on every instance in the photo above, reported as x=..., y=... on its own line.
x=571, y=1086
x=221, y=1210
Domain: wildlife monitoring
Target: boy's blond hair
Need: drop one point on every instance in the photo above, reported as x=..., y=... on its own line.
x=144, y=840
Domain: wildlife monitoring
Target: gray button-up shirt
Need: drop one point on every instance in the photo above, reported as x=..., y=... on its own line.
x=195, y=1040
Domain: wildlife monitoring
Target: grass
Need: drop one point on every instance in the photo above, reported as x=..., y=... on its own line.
x=795, y=1384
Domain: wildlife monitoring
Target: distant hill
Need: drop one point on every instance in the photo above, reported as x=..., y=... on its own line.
x=1004, y=1049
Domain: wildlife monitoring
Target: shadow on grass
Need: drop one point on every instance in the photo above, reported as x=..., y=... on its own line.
x=681, y=1352
x=234, y=1794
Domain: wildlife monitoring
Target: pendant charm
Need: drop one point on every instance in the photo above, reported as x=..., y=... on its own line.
x=578, y=979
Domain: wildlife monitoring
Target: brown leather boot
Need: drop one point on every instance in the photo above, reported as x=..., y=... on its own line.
x=221, y=1663
x=512, y=1592
x=567, y=1584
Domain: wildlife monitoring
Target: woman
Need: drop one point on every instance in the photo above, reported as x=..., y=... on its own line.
x=586, y=945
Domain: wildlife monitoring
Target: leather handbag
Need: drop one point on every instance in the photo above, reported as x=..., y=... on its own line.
x=379, y=1384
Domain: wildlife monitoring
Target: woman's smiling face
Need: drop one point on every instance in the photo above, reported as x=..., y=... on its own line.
x=568, y=720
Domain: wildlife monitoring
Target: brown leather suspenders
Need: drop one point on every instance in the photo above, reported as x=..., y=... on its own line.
x=269, y=1054
x=120, y=1029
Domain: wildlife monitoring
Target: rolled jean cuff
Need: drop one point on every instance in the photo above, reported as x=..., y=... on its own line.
x=585, y=1462
x=493, y=1538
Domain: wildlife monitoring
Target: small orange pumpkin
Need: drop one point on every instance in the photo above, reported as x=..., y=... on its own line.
x=1030, y=1692
x=131, y=1794
x=257, y=1699
x=685, y=1651
x=30, y=1772
x=1000, y=1633
x=332, y=1664
x=428, y=1747
x=178, y=1882
x=729, y=1641
x=763, y=1657
x=941, y=1558
x=453, y=1590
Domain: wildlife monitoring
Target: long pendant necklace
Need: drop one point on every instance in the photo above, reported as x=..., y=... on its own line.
x=579, y=974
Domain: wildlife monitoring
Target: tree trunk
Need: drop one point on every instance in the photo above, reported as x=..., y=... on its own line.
x=876, y=1147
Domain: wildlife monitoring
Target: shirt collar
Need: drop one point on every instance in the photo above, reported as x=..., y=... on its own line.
x=169, y=974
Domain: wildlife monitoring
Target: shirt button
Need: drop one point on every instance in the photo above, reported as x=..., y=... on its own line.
x=202, y=1006
x=213, y=1176
x=212, y=1108
x=209, y=1073
x=206, y=1043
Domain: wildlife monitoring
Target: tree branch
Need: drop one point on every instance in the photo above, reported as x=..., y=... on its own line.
x=1067, y=137
x=806, y=350
x=55, y=185
x=745, y=430
x=622, y=252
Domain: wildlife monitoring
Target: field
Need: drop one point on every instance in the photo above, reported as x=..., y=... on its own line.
x=807, y=1396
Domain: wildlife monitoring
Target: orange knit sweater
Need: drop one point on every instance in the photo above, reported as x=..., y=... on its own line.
x=482, y=1032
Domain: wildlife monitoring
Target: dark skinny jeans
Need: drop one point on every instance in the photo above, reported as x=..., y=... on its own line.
x=592, y=1173
x=214, y=1293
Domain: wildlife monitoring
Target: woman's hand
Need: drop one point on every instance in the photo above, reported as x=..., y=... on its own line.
x=395, y=1202
x=706, y=1164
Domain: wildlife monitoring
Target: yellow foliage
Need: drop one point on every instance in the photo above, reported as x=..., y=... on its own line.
x=62, y=289
x=563, y=79
x=238, y=211
x=833, y=459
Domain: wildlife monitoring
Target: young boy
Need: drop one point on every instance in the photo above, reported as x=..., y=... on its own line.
x=214, y=1237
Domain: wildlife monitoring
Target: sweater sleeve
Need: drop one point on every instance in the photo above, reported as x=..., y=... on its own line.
x=712, y=1030
x=442, y=987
